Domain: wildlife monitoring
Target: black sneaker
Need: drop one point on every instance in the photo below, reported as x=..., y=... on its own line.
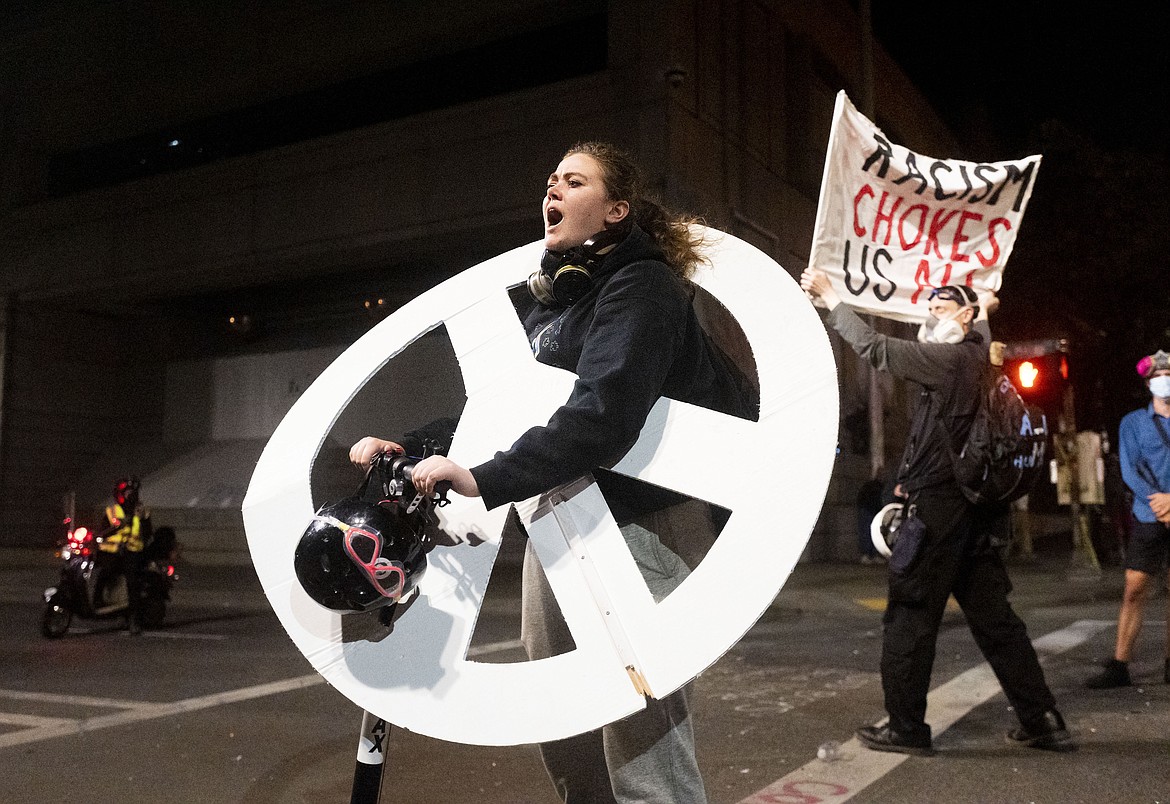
x=884, y=738
x=1046, y=732
x=1115, y=674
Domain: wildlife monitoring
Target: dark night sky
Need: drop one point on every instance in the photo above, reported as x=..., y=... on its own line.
x=1086, y=87
x=1100, y=70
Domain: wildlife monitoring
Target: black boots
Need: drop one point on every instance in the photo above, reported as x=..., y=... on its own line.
x=886, y=739
x=1115, y=674
x=1047, y=732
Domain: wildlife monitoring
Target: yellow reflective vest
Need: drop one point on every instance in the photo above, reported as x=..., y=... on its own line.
x=127, y=530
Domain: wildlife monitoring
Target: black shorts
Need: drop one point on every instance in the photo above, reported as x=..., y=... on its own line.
x=1149, y=546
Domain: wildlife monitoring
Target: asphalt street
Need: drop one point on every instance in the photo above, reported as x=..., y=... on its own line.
x=219, y=706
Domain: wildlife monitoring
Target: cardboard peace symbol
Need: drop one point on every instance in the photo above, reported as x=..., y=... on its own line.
x=771, y=474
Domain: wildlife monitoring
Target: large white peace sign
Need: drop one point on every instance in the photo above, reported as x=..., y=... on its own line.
x=771, y=474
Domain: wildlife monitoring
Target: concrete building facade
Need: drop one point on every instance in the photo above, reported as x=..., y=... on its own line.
x=201, y=207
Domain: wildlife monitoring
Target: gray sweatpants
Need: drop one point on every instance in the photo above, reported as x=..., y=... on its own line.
x=646, y=758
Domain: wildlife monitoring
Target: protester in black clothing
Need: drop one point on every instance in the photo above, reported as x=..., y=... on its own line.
x=631, y=337
x=955, y=556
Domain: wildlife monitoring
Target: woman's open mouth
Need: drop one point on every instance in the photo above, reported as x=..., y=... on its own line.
x=553, y=217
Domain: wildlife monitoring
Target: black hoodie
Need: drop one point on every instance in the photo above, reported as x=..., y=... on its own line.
x=631, y=339
x=952, y=379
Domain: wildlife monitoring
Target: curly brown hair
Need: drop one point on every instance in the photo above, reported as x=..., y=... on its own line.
x=670, y=230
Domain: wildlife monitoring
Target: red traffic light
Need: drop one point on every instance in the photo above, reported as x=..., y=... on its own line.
x=1039, y=369
x=1040, y=379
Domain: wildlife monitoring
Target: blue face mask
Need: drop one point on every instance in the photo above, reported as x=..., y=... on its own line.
x=1160, y=387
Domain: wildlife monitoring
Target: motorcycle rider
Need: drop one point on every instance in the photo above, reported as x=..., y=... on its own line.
x=128, y=529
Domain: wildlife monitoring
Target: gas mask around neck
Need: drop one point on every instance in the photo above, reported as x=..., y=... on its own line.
x=942, y=330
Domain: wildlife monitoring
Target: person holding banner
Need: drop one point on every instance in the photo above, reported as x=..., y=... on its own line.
x=609, y=303
x=1145, y=465
x=946, y=550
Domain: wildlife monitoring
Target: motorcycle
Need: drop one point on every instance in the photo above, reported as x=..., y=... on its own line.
x=91, y=586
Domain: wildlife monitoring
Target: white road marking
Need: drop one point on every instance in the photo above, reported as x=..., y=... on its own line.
x=820, y=782
x=30, y=721
x=68, y=700
x=149, y=711
x=47, y=728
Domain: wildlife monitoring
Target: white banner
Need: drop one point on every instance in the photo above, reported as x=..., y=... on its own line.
x=892, y=224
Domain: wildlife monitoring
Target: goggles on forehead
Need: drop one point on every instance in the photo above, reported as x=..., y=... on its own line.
x=954, y=293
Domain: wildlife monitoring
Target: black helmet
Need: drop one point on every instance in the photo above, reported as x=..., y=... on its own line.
x=126, y=490
x=358, y=556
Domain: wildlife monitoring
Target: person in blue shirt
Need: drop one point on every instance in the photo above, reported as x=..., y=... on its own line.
x=1145, y=465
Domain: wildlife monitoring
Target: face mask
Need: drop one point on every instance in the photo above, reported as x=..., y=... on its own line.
x=942, y=330
x=1160, y=387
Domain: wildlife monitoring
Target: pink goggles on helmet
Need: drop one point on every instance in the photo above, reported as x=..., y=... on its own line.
x=364, y=549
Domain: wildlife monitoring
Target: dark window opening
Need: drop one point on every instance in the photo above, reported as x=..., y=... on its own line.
x=507, y=65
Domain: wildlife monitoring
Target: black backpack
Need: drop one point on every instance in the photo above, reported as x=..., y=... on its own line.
x=1004, y=451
